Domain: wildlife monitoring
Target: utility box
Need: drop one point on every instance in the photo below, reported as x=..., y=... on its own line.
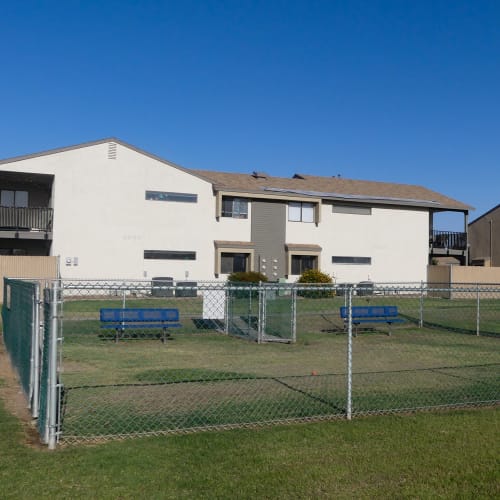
x=365, y=288
x=191, y=291
x=162, y=282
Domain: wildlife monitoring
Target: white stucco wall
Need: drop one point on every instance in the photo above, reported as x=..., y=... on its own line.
x=396, y=239
x=102, y=219
x=103, y=222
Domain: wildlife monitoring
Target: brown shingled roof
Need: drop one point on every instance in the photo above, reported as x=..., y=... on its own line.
x=334, y=188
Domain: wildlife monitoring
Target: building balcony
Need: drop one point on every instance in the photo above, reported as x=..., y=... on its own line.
x=448, y=240
x=448, y=243
x=25, y=222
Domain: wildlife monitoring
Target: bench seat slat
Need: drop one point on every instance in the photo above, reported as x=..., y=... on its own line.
x=138, y=314
x=138, y=326
x=370, y=311
x=139, y=318
x=375, y=320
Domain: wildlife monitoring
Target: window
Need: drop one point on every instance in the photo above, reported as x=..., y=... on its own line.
x=169, y=255
x=233, y=256
x=234, y=262
x=237, y=208
x=300, y=212
x=301, y=263
x=351, y=209
x=10, y=198
x=351, y=260
x=301, y=257
x=166, y=196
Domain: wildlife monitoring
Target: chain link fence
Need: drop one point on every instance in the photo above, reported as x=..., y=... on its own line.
x=20, y=318
x=255, y=355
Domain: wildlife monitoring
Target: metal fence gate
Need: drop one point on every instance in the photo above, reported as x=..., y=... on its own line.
x=263, y=312
x=245, y=355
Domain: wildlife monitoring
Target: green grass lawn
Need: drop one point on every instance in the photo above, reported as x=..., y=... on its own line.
x=212, y=380
x=203, y=378
x=313, y=315
x=443, y=455
x=206, y=379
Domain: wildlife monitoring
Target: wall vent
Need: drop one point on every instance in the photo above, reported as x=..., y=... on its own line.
x=111, y=150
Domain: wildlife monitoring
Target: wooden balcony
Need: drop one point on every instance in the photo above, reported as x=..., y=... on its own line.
x=25, y=220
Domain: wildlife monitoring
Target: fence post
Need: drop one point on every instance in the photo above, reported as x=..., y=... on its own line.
x=421, y=316
x=52, y=375
x=227, y=309
x=249, y=312
x=349, y=354
x=294, y=315
x=261, y=314
x=35, y=353
x=478, y=326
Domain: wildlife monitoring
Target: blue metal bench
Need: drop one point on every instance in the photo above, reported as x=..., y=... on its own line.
x=139, y=318
x=371, y=314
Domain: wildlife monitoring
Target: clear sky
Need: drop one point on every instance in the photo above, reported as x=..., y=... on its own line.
x=399, y=91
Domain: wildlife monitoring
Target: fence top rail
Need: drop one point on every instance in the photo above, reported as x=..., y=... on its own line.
x=368, y=288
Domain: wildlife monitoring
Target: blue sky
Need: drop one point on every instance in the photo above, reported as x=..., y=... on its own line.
x=398, y=91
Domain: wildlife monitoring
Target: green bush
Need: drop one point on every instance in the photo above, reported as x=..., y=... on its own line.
x=313, y=276
x=247, y=277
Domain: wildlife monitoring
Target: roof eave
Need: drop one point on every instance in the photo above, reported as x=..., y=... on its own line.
x=368, y=200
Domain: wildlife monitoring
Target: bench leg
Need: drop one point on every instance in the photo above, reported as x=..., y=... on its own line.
x=118, y=331
x=354, y=330
x=389, y=332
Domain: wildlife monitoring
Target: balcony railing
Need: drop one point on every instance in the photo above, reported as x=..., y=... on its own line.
x=25, y=219
x=448, y=240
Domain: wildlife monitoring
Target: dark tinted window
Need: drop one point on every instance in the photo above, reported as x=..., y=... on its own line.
x=167, y=196
x=233, y=263
x=169, y=255
x=301, y=263
x=351, y=260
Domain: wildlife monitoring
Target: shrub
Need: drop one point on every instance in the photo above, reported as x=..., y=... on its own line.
x=313, y=276
x=247, y=277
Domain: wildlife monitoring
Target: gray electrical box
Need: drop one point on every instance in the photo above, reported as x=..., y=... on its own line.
x=162, y=292
x=187, y=292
